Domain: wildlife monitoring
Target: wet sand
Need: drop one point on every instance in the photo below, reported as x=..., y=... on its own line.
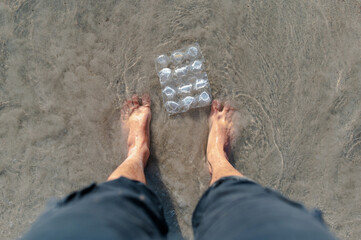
x=292, y=68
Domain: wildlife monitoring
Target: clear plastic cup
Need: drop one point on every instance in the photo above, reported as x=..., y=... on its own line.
x=165, y=75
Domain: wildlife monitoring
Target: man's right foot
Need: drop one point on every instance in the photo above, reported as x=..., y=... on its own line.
x=220, y=131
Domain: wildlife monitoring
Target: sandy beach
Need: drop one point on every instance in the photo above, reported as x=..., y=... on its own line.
x=291, y=68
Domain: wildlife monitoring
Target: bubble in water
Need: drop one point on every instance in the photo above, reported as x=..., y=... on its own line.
x=178, y=57
x=164, y=75
x=201, y=83
x=162, y=60
x=180, y=72
x=186, y=88
x=171, y=106
x=192, y=52
x=169, y=92
x=204, y=97
x=197, y=65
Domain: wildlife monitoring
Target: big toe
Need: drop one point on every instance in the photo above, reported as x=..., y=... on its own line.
x=216, y=106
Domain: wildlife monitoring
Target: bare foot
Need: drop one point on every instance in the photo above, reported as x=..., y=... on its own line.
x=135, y=117
x=219, y=138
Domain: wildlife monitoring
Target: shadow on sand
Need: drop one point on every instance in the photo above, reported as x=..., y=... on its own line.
x=155, y=183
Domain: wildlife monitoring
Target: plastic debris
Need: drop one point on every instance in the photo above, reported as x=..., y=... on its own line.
x=183, y=80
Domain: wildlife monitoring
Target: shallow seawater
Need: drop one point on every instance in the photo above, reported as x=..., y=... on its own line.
x=292, y=69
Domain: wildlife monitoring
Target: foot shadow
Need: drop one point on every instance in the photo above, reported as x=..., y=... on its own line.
x=230, y=153
x=154, y=182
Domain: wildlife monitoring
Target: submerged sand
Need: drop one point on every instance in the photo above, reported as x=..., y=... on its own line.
x=292, y=68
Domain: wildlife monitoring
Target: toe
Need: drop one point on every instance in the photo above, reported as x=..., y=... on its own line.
x=227, y=106
x=129, y=103
x=229, y=114
x=130, y=107
x=146, y=100
x=135, y=100
x=219, y=106
x=125, y=108
x=216, y=106
x=123, y=114
x=124, y=111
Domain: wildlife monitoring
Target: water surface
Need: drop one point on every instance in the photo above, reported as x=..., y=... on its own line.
x=292, y=68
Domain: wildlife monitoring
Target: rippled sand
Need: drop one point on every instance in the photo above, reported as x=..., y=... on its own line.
x=292, y=68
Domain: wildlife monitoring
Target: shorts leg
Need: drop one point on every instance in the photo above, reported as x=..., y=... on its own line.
x=238, y=208
x=119, y=209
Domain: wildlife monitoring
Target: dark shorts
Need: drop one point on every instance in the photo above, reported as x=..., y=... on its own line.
x=232, y=208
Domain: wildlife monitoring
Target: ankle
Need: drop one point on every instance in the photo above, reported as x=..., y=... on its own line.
x=216, y=151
